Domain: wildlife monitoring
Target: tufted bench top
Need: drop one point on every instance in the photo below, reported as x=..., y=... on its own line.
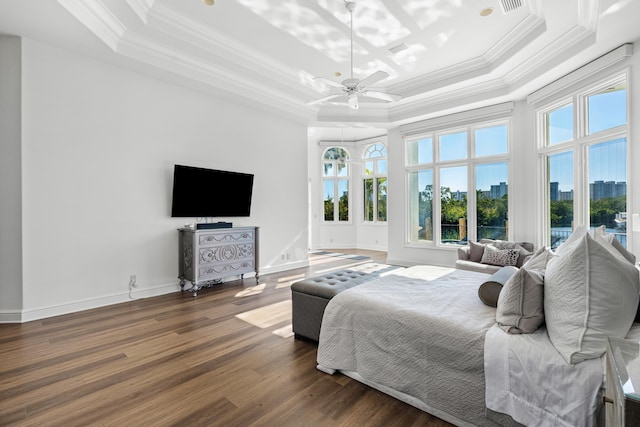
x=328, y=285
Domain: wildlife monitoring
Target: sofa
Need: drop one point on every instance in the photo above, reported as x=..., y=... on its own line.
x=489, y=256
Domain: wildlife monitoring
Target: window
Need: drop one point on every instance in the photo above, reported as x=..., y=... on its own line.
x=375, y=183
x=335, y=181
x=441, y=168
x=584, y=150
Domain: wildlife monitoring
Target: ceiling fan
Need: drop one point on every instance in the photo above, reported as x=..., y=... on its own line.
x=352, y=87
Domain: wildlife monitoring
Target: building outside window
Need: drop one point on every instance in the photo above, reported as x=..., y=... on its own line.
x=583, y=146
x=441, y=167
x=375, y=183
x=335, y=181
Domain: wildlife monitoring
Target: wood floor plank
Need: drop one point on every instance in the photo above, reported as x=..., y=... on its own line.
x=224, y=358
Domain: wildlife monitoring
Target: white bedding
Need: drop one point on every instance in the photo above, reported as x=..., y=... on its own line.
x=528, y=379
x=424, y=333
x=420, y=332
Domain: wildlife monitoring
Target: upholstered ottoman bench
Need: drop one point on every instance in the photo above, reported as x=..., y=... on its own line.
x=310, y=296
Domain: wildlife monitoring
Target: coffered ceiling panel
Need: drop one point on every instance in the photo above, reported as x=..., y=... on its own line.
x=440, y=55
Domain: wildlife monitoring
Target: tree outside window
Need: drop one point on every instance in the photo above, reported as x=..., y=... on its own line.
x=375, y=183
x=441, y=167
x=335, y=181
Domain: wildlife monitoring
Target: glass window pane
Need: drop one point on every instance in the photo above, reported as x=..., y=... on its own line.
x=368, y=168
x=343, y=169
x=607, y=109
x=453, y=204
x=328, y=169
x=608, y=187
x=559, y=125
x=343, y=202
x=382, y=166
x=453, y=146
x=491, y=141
x=560, y=168
x=329, y=197
x=420, y=205
x=492, y=201
x=368, y=199
x=382, y=199
x=420, y=151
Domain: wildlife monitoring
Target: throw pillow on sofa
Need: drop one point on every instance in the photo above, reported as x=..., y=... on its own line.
x=591, y=292
x=502, y=257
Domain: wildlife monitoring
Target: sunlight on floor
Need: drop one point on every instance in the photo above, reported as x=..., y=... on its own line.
x=284, y=332
x=268, y=316
x=253, y=290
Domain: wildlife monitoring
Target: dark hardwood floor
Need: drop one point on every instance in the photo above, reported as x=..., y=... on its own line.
x=224, y=358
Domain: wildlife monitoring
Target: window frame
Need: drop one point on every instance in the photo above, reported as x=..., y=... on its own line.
x=336, y=184
x=579, y=146
x=375, y=176
x=470, y=162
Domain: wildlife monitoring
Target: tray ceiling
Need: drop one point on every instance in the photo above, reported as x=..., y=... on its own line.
x=441, y=55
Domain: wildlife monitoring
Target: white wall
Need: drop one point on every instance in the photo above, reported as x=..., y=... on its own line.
x=10, y=206
x=98, y=148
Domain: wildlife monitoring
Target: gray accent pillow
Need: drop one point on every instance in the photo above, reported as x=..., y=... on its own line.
x=475, y=251
x=521, y=302
x=489, y=291
x=501, y=257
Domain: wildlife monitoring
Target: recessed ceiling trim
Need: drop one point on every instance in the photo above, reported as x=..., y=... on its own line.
x=527, y=30
x=563, y=47
x=97, y=18
x=603, y=62
x=141, y=8
x=588, y=13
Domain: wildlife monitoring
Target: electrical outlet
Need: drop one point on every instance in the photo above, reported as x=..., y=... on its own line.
x=132, y=281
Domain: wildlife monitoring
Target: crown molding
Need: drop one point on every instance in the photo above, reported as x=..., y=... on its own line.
x=542, y=95
x=98, y=18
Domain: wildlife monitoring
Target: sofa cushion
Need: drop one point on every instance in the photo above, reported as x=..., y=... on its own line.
x=476, y=250
x=476, y=266
x=591, y=292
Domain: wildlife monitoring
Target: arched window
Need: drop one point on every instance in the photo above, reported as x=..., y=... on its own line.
x=375, y=183
x=335, y=181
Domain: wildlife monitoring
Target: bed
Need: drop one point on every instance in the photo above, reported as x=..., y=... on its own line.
x=423, y=336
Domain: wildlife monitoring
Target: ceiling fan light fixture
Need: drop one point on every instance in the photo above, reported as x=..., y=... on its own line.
x=353, y=101
x=209, y=2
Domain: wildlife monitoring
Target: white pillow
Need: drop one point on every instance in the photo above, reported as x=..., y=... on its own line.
x=539, y=260
x=590, y=293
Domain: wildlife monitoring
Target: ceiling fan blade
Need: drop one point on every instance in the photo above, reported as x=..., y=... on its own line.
x=328, y=82
x=325, y=99
x=381, y=95
x=373, y=78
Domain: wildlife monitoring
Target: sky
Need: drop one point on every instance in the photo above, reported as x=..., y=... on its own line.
x=607, y=160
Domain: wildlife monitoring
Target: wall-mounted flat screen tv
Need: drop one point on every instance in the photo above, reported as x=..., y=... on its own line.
x=199, y=192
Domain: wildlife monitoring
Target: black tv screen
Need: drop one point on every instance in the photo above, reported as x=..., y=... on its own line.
x=199, y=192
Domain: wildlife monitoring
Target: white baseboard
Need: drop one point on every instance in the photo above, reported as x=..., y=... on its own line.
x=16, y=316
x=10, y=316
x=82, y=305
x=270, y=269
